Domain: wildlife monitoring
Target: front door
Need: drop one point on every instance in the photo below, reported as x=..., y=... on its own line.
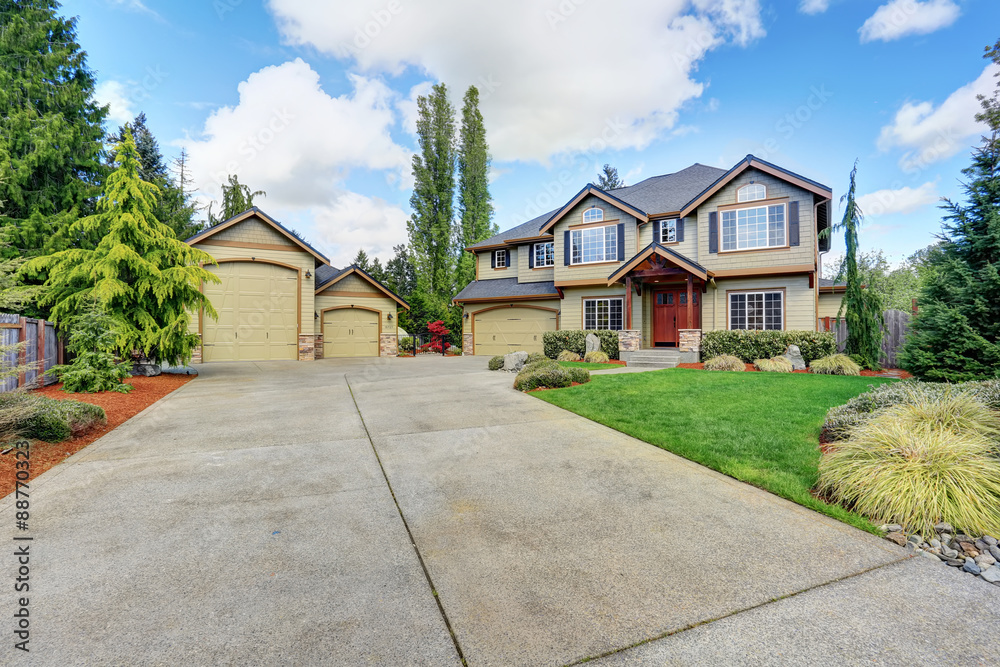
x=670, y=314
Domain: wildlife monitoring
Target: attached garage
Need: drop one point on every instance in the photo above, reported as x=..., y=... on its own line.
x=504, y=329
x=358, y=315
x=257, y=303
x=351, y=332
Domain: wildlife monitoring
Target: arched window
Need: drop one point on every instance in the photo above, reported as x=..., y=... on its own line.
x=593, y=214
x=751, y=192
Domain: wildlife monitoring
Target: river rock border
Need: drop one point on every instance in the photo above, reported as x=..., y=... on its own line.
x=976, y=556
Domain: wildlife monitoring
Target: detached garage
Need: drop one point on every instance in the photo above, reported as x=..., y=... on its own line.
x=357, y=314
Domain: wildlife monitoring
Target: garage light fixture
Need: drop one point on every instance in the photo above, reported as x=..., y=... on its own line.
x=315, y=315
x=389, y=317
x=308, y=274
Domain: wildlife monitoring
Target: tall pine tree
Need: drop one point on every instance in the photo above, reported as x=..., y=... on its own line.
x=236, y=198
x=608, y=178
x=50, y=128
x=956, y=333
x=475, y=205
x=146, y=279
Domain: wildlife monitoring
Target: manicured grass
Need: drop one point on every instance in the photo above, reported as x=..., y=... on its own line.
x=761, y=428
x=588, y=366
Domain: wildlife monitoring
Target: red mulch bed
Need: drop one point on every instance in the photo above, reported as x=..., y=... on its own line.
x=118, y=407
x=884, y=373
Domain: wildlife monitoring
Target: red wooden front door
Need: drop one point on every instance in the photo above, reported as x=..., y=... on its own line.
x=670, y=314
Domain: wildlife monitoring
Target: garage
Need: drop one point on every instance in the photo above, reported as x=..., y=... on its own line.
x=509, y=329
x=257, y=304
x=351, y=332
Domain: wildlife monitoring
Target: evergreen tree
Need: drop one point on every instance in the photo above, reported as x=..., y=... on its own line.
x=399, y=274
x=50, y=128
x=956, y=334
x=236, y=198
x=608, y=178
x=145, y=278
x=361, y=261
x=377, y=271
x=431, y=227
x=474, y=201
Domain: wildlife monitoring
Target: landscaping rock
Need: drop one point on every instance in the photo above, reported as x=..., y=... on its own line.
x=985, y=560
x=944, y=528
x=945, y=538
x=915, y=539
x=954, y=562
x=892, y=528
x=514, y=361
x=995, y=552
x=991, y=575
x=794, y=355
x=962, y=537
x=981, y=546
x=593, y=343
x=990, y=541
x=935, y=544
x=968, y=548
x=896, y=537
x=971, y=567
x=949, y=553
x=929, y=555
x=145, y=367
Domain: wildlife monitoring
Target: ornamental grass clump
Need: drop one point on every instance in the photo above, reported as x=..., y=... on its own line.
x=921, y=463
x=596, y=357
x=725, y=362
x=774, y=365
x=566, y=355
x=496, y=363
x=835, y=364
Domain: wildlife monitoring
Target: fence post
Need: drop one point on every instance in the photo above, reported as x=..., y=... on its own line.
x=914, y=307
x=22, y=354
x=41, y=352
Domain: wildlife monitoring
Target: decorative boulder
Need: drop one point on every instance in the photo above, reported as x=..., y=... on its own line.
x=514, y=361
x=795, y=356
x=145, y=367
x=593, y=343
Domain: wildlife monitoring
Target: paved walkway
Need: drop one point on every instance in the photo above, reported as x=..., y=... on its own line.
x=304, y=513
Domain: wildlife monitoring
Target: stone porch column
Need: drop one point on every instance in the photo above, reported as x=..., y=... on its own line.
x=388, y=345
x=629, y=341
x=689, y=345
x=468, y=348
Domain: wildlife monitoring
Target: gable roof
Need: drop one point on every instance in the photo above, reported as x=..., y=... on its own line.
x=768, y=168
x=256, y=212
x=591, y=189
x=667, y=193
x=327, y=276
x=529, y=229
x=506, y=288
x=655, y=248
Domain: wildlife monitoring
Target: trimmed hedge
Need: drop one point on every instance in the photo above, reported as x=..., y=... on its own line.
x=750, y=345
x=575, y=340
x=32, y=416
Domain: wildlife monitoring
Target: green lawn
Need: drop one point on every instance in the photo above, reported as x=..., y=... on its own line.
x=588, y=366
x=761, y=428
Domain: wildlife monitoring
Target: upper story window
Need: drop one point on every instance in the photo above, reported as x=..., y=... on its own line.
x=593, y=214
x=758, y=227
x=500, y=259
x=668, y=231
x=751, y=192
x=594, y=244
x=545, y=254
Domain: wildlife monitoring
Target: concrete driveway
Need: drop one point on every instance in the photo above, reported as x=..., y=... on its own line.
x=419, y=512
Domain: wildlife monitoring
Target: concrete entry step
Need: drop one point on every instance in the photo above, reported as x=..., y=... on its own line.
x=653, y=358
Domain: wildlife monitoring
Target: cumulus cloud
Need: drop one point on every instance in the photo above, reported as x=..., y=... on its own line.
x=814, y=6
x=899, y=200
x=353, y=221
x=116, y=95
x=933, y=133
x=547, y=84
x=899, y=18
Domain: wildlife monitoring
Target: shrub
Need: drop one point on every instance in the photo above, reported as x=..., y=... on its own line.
x=596, y=357
x=566, y=355
x=774, y=365
x=749, y=345
x=93, y=339
x=578, y=375
x=496, y=363
x=835, y=364
x=405, y=344
x=32, y=416
x=542, y=374
x=534, y=357
x=575, y=340
x=919, y=464
x=725, y=362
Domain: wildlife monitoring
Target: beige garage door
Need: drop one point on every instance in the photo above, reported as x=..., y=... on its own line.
x=258, y=313
x=350, y=332
x=511, y=329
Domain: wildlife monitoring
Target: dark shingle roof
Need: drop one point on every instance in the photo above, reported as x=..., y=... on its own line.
x=522, y=231
x=503, y=288
x=325, y=274
x=827, y=282
x=669, y=192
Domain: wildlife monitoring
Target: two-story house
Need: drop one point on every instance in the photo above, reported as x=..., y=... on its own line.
x=661, y=261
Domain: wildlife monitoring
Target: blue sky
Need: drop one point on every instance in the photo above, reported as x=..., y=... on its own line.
x=313, y=101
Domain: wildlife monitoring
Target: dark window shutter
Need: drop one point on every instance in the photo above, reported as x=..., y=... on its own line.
x=621, y=242
x=656, y=231
x=793, y=223
x=531, y=256
x=680, y=229
x=713, y=232
x=566, y=248
x=506, y=257
x=493, y=259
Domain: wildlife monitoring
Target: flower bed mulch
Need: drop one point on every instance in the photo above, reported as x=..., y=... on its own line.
x=118, y=407
x=884, y=373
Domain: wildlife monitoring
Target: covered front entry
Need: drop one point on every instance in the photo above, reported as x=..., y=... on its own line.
x=351, y=332
x=257, y=303
x=511, y=329
x=670, y=313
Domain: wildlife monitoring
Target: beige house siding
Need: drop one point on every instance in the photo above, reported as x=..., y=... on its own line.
x=352, y=283
x=688, y=247
x=804, y=253
x=829, y=304
x=526, y=275
x=330, y=298
x=487, y=272
x=573, y=220
x=572, y=304
x=799, y=303
x=471, y=308
x=252, y=230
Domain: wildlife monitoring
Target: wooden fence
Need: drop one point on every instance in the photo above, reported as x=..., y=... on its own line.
x=895, y=324
x=42, y=350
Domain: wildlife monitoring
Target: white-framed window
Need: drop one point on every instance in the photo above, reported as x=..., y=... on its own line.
x=500, y=259
x=603, y=314
x=545, y=254
x=594, y=244
x=757, y=310
x=668, y=231
x=758, y=227
x=593, y=214
x=751, y=192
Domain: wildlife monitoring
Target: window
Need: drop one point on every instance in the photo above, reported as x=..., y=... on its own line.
x=602, y=314
x=668, y=231
x=747, y=228
x=545, y=254
x=500, y=260
x=751, y=192
x=596, y=244
x=593, y=214
x=756, y=310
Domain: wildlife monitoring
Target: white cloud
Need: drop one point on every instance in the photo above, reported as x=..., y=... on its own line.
x=408, y=107
x=114, y=94
x=353, y=221
x=545, y=89
x=814, y=6
x=900, y=200
x=935, y=133
x=899, y=18
x=135, y=6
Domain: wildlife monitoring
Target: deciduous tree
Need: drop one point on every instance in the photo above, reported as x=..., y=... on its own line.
x=475, y=205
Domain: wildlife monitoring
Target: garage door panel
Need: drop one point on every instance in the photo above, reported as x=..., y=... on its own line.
x=512, y=329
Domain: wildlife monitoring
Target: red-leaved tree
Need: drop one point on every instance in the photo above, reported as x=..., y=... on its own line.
x=438, y=332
